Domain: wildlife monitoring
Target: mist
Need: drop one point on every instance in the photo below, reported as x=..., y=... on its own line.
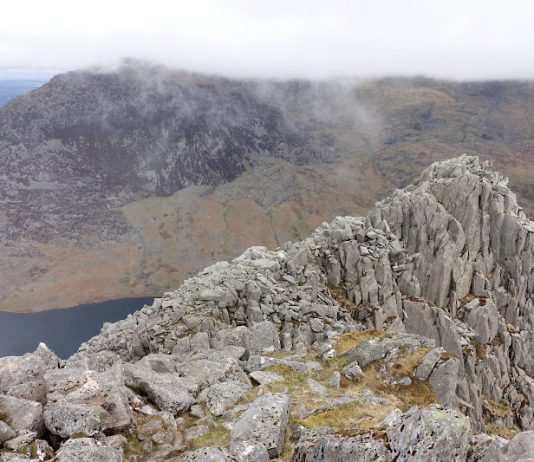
x=466, y=40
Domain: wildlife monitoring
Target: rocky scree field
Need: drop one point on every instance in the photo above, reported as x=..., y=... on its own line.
x=405, y=335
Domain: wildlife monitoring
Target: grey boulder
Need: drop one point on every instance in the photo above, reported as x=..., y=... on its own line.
x=265, y=421
x=87, y=450
x=22, y=414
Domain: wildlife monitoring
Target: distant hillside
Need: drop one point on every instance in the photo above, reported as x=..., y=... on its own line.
x=124, y=183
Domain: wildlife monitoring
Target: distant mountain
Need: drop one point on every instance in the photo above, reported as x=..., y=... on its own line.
x=12, y=88
x=123, y=183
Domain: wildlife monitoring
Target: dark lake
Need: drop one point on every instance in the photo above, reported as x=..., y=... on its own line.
x=62, y=330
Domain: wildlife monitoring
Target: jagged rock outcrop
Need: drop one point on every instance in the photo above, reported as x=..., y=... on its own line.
x=359, y=332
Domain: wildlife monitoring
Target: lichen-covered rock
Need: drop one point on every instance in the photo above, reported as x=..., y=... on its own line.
x=6, y=432
x=22, y=376
x=208, y=454
x=87, y=450
x=168, y=390
x=374, y=349
x=15, y=457
x=264, y=421
x=87, y=387
x=265, y=378
x=22, y=414
x=67, y=419
x=250, y=451
x=433, y=434
x=334, y=448
x=221, y=396
x=443, y=381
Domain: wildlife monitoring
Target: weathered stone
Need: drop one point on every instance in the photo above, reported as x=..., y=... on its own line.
x=106, y=389
x=22, y=414
x=169, y=391
x=15, y=457
x=333, y=448
x=352, y=371
x=443, y=381
x=6, y=432
x=250, y=451
x=66, y=419
x=265, y=378
x=423, y=370
x=374, y=349
x=264, y=421
x=430, y=434
x=87, y=450
x=520, y=448
x=263, y=338
x=208, y=454
x=22, y=376
x=21, y=441
x=221, y=396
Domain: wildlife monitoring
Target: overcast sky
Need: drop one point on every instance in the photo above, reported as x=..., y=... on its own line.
x=464, y=39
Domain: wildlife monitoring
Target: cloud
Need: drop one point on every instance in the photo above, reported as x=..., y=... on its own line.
x=464, y=39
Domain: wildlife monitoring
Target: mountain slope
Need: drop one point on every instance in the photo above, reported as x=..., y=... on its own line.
x=403, y=335
x=124, y=183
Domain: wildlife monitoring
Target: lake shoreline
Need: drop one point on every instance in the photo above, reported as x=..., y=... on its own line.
x=64, y=329
x=97, y=302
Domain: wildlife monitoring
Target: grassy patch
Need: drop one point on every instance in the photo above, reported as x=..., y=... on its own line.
x=480, y=349
x=133, y=447
x=407, y=363
x=350, y=340
x=359, y=415
x=468, y=298
x=496, y=409
x=216, y=436
x=503, y=432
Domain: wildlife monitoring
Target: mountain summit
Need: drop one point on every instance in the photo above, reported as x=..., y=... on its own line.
x=403, y=335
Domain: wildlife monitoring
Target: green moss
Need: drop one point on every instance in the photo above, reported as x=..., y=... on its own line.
x=132, y=447
x=216, y=436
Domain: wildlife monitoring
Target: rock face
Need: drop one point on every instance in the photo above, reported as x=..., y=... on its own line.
x=406, y=335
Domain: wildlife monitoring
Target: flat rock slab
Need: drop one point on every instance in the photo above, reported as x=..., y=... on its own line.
x=265, y=421
x=265, y=378
x=169, y=391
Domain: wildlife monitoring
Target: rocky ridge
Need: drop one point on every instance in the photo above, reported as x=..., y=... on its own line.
x=405, y=335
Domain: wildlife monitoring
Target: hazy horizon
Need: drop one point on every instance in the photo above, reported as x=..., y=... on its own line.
x=459, y=40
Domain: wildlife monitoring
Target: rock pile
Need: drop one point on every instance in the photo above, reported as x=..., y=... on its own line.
x=406, y=335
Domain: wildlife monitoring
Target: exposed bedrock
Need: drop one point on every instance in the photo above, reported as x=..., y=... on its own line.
x=404, y=335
